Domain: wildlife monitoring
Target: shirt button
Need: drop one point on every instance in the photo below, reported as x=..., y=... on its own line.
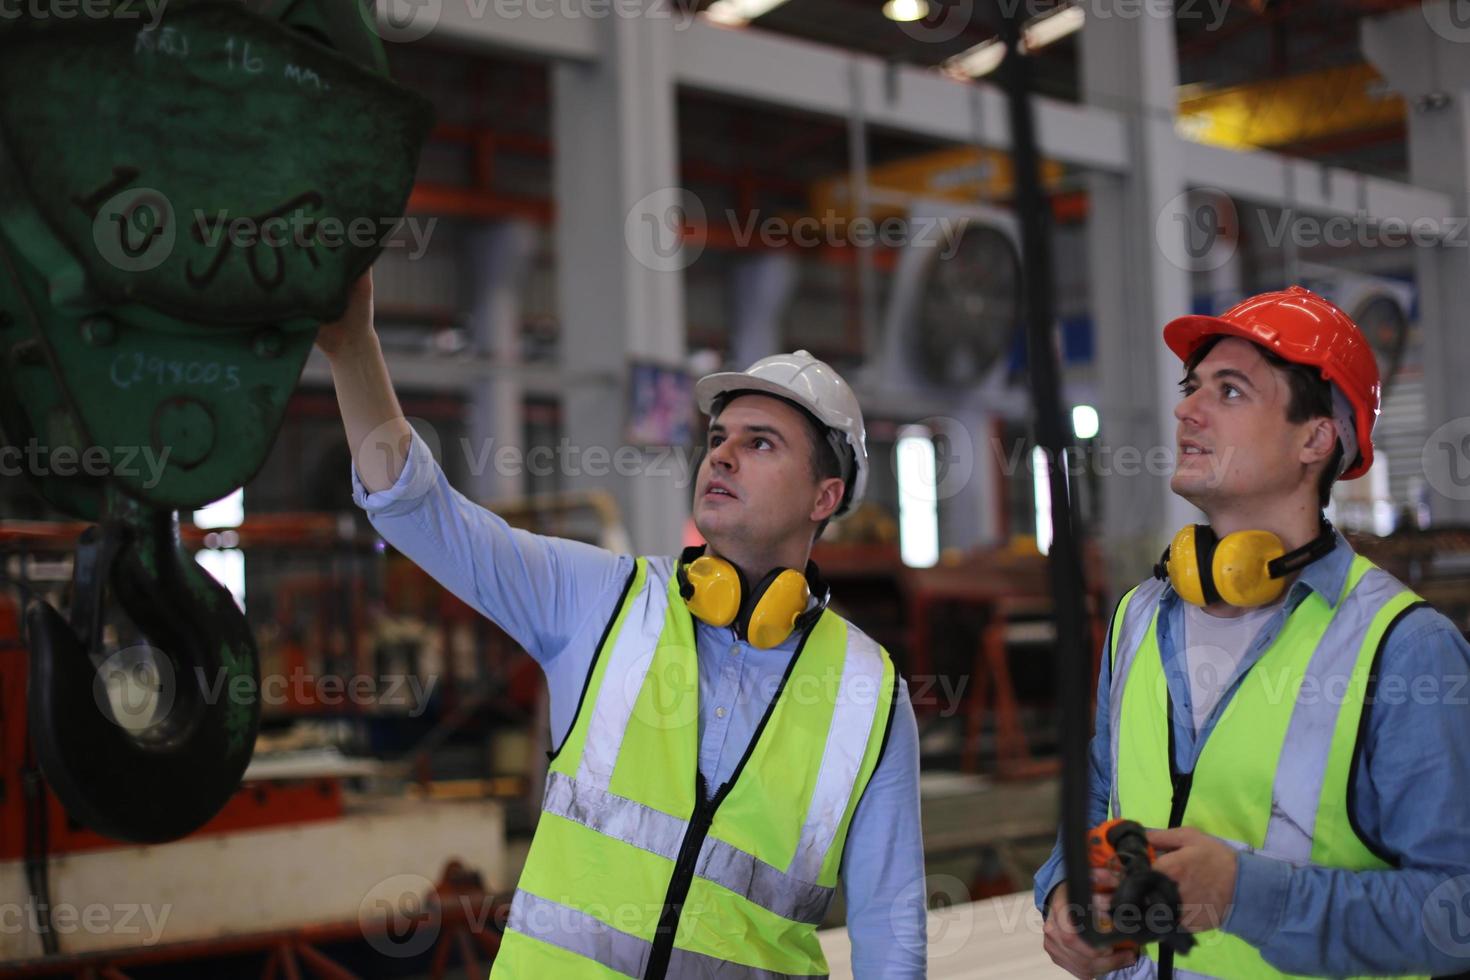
x=719, y=712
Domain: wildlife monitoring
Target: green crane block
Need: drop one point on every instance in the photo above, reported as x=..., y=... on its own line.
x=182, y=203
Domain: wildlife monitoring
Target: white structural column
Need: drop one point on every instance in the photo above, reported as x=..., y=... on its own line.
x=620, y=288
x=761, y=288
x=968, y=476
x=498, y=257
x=1137, y=284
x=1425, y=55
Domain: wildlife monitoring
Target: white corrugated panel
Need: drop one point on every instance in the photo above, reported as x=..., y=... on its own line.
x=1403, y=426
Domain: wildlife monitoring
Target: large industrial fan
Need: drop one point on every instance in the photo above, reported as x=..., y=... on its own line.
x=1385, y=322
x=967, y=316
x=1380, y=306
x=954, y=302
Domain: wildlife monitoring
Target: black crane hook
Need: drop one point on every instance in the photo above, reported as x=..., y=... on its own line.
x=159, y=781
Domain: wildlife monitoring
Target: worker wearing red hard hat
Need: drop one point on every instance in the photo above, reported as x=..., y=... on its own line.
x=1255, y=705
x=1298, y=326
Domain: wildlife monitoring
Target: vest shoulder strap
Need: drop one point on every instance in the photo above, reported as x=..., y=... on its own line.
x=1134, y=613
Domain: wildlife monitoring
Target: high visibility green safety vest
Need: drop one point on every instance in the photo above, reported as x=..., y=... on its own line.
x=1274, y=773
x=632, y=871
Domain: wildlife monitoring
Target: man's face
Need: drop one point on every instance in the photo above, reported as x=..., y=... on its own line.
x=1233, y=437
x=756, y=483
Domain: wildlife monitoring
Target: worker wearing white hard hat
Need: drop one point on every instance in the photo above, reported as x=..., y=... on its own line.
x=814, y=387
x=726, y=747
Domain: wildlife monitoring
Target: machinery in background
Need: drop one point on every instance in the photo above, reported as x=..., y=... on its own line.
x=954, y=301
x=1293, y=111
x=1434, y=562
x=158, y=296
x=949, y=332
x=960, y=176
x=402, y=733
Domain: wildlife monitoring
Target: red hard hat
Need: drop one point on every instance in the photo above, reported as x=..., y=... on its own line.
x=1299, y=326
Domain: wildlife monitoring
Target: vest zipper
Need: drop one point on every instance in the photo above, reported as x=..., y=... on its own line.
x=699, y=825
x=1182, y=783
x=693, y=843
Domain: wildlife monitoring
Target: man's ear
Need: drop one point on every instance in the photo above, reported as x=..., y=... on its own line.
x=1321, y=441
x=829, y=498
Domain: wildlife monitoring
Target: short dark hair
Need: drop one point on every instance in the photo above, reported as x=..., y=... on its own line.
x=1311, y=398
x=824, y=462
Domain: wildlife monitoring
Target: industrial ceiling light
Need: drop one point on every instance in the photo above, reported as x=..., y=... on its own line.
x=738, y=13
x=1052, y=26
x=1039, y=31
x=975, y=62
x=904, y=11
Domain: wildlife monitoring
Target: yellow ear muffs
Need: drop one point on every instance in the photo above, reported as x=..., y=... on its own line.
x=1242, y=571
x=716, y=593
x=1182, y=564
x=711, y=588
x=779, y=601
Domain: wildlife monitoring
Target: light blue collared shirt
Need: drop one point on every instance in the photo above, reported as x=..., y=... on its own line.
x=555, y=597
x=1410, y=797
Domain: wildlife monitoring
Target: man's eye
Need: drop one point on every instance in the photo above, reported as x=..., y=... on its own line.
x=762, y=441
x=1229, y=390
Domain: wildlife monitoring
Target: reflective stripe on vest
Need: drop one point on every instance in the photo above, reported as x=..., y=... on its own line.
x=628, y=663
x=842, y=755
x=576, y=932
x=765, y=869
x=1297, y=794
x=786, y=894
x=1134, y=617
x=1273, y=774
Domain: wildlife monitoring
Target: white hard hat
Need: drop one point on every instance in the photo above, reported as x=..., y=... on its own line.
x=813, y=385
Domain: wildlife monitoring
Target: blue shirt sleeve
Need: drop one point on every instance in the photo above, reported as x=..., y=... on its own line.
x=538, y=589
x=1411, y=797
x=883, y=884
x=1099, y=781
